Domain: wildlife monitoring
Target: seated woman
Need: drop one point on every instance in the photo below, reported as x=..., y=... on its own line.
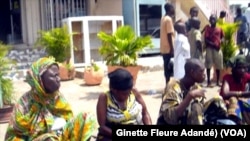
x=43, y=113
x=234, y=86
x=120, y=105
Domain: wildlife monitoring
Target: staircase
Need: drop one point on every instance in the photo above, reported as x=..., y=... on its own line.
x=185, y=7
x=207, y=7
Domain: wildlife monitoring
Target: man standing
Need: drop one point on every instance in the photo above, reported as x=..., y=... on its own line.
x=213, y=36
x=167, y=38
x=243, y=29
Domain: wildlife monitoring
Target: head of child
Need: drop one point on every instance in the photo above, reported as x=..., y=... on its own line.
x=223, y=14
x=194, y=11
x=213, y=20
x=120, y=84
x=195, y=22
x=180, y=27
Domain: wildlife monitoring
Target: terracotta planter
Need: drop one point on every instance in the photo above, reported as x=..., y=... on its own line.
x=134, y=70
x=5, y=113
x=66, y=74
x=92, y=77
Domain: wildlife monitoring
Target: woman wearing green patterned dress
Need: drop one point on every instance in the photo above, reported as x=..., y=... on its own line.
x=43, y=114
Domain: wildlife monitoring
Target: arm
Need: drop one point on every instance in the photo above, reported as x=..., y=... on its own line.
x=171, y=44
x=245, y=94
x=186, y=101
x=244, y=27
x=198, y=40
x=226, y=93
x=206, y=37
x=13, y=133
x=209, y=43
x=204, y=29
x=170, y=34
x=145, y=115
x=101, y=115
x=172, y=110
x=199, y=45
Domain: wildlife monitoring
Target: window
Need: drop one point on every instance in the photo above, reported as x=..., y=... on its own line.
x=53, y=11
x=150, y=17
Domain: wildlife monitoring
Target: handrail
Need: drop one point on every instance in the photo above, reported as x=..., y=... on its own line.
x=214, y=7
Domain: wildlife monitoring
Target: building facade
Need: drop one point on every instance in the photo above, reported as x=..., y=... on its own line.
x=23, y=19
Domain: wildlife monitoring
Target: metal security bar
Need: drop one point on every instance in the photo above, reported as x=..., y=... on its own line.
x=53, y=11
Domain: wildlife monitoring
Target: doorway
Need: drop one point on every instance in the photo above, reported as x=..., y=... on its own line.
x=10, y=25
x=148, y=19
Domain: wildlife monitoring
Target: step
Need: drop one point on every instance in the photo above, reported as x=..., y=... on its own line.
x=148, y=64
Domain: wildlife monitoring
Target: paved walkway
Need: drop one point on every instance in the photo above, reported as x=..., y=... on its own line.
x=84, y=98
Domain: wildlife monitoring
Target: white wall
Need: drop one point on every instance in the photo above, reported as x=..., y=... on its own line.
x=105, y=7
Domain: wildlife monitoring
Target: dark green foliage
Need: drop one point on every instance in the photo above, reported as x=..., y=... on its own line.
x=56, y=42
x=6, y=84
x=228, y=45
x=122, y=47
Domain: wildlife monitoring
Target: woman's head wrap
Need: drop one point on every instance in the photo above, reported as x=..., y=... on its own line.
x=120, y=79
x=34, y=75
x=237, y=61
x=35, y=110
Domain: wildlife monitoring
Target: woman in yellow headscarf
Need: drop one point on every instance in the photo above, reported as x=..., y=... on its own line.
x=37, y=113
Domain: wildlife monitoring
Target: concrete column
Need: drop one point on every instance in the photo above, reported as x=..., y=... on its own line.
x=23, y=21
x=91, y=4
x=32, y=20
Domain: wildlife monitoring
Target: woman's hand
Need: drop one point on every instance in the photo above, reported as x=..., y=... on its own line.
x=145, y=115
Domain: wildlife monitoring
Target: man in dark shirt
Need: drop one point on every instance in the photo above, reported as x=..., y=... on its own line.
x=243, y=29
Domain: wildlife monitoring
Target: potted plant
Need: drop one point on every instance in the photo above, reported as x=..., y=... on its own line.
x=93, y=74
x=56, y=42
x=121, y=49
x=228, y=45
x=6, y=84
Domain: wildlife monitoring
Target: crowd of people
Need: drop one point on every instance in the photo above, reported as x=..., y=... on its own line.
x=195, y=53
x=43, y=113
